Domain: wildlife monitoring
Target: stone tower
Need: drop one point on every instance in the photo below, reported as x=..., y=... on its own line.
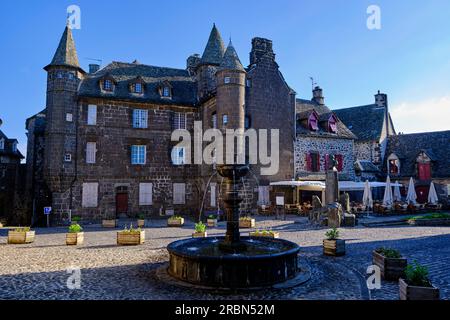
x=63, y=77
x=209, y=63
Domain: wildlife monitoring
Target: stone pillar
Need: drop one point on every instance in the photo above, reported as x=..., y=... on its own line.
x=332, y=186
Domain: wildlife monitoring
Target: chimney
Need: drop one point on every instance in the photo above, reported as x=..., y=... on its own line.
x=261, y=48
x=381, y=99
x=192, y=63
x=318, y=96
x=93, y=68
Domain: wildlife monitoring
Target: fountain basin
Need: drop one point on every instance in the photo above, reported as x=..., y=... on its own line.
x=263, y=262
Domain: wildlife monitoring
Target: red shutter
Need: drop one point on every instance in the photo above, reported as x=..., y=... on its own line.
x=308, y=162
x=340, y=160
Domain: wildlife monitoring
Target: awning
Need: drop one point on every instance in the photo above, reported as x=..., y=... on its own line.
x=320, y=186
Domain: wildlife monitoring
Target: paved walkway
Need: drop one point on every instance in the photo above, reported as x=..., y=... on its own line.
x=39, y=270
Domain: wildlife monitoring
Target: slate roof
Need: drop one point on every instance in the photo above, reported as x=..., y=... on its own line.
x=215, y=48
x=305, y=107
x=408, y=146
x=66, y=53
x=231, y=60
x=184, y=87
x=366, y=122
x=367, y=166
x=8, y=147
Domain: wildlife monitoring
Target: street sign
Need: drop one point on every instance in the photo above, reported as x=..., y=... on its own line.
x=47, y=210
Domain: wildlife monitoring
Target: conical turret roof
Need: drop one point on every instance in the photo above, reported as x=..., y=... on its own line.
x=66, y=53
x=231, y=60
x=215, y=48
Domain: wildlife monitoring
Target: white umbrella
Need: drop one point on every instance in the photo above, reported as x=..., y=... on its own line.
x=367, y=196
x=397, y=194
x=388, y=198
x=432, y=195
x=412, y=196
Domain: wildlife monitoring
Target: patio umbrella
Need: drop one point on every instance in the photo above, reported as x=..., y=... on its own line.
x=388, y=198
x=412, y=196
x=367, y=196
x=432, y=195
x=397, y=194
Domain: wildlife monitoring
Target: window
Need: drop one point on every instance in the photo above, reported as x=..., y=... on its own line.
x=247, y=122
x=213, y=187
x=138, y=154
x=340, y=162
x=59, y=75
x=69, y=117
x=2, y=144
x=214, y=120
x=313, y=161
x=166, y=92
x=227, y=80
x=393, y=165
x=71, y=76
x=145, y=194
x=332, y=127
x=263, y=195
x=68, y=157
x=179, y=121
x=248, y=83
x=140, y=119
x=225, y=119
x=179, y=193
x=91, y=151
x=89, y=195
x=107, y=85
x=137, y=88
x=313, y=123
x=14, y=147
x=92, y=115
x=178, y=156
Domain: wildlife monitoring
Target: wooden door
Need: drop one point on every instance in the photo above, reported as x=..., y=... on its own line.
x=122, y=203
x=422, y=194
x=424, y=171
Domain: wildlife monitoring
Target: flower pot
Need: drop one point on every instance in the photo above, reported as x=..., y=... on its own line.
x=391, y=269
x=130, y=238
x=175, y=222
x=334, y=248
x=109, y=223
x=74, y=239
x=408, y=292
x=247, y=224
x=273, y=235
x=200, y=234
x=212, y=223
x=15, y=237
x=141, y=223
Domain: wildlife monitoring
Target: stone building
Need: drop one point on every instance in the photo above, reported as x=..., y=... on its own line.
x=11, y=174
x=102, y=146
x=423, y=156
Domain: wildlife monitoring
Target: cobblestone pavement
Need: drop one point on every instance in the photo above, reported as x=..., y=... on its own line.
x=39, y=270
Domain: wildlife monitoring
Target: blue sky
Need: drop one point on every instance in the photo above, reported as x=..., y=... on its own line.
x=409, y=58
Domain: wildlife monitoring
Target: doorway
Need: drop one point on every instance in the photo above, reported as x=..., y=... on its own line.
x=121, y=201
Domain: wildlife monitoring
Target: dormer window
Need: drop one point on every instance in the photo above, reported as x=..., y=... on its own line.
x=14, y=147
x=107, y=85
x=394, y=165
x=332, y=124
x=2, y=144
x=227, y=80
x=137, y=88
x=166, y=92
x=313, y=122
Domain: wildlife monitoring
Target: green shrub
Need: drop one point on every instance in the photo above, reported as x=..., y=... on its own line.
x=417, y=275
x=264, y=232
x=332, y=234
x=431, y=216
x=131, y=230
x=22, y=229
x=200, y=227
x=389, y=253
x=141, y=216
x=75, y=228
x=176, y=218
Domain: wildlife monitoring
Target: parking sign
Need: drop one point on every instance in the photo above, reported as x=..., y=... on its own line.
x=47, y=210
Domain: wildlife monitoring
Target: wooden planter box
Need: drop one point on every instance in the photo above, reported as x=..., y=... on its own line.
x=391, y=269
x=141, y=223
x=109, y=223
x=200, y=234
x=175, y=222
x=212, y=223
x=74, y=239
x=130, y=239
x=247, y=224
x=15, y=237
x=408, y=292
x=274, y=235
x=334, y=248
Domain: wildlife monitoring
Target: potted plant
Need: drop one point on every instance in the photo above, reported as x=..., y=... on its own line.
x=131, y=237
x=75, y=236
x=332, y=245
x=200, y=230
x=417, y=285
x=247, y=222
x=109, y=223
x=175, y=221
x=265, y=234
x=390, y=262
x=21, y=236
x=141, y=220
x=212, y=221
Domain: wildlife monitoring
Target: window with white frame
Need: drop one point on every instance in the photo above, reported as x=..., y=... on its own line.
x=107, y=85
x=263, y=195
x=140, y=119
x=67, y=157
x=179, y=121
x=14, y=147
x=89, y=198
x=138, y=154
x=2, y=144
x=69, y=117
x=166, y=92
x=137, y=87
x=179, y=193
x=227, y=80
x=91, y=152
x=213, y=194
x=178, y=156
x=92, y=115
x=145, y=194
x=214, y=120
x=225, y=119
